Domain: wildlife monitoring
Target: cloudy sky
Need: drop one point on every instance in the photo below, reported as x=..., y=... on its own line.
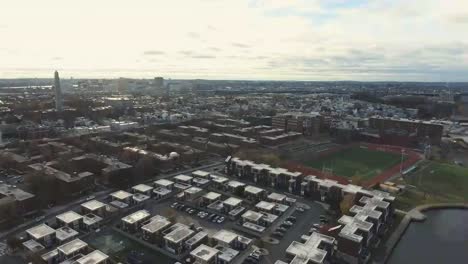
x=400, y=40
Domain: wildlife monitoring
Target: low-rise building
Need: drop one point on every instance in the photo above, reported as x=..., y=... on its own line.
x=196, y=240
x=265, y=207
x=70, y=219
x=200, y=174
x=204, y=254
x=33, y=246
x=183, y=179
x=153, y=230
x=210, y=197
x=142, y=189
x=164, y=183
x=95, y=257
x=65, y=234
x=71, y=249
x=132, y=222
x=192, y=193
x=161, y=192
x=122, y=196
x=94, y=207
x=175, y=239
x=231, y=203
x=43, y=234
x=91, y=222
x=254, y=193
x=316, y=249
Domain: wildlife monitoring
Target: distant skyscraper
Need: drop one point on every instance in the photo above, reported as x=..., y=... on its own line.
x=159, y=88
x=122, y=85
x=58, y=93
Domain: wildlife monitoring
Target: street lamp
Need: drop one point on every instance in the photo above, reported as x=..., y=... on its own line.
x=401, y=162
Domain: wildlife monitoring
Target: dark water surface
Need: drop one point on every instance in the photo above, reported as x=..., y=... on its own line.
x=441, y=238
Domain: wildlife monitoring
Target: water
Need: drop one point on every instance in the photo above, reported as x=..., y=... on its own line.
x=118, y=247
x=442, y=238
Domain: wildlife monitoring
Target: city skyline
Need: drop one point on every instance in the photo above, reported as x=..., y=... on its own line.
x=265, y=39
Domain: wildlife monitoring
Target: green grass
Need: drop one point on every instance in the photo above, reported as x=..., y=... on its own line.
x=356, y=161
x=435, y=182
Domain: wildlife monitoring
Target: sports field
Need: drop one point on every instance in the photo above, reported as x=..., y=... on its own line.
x=356, y=161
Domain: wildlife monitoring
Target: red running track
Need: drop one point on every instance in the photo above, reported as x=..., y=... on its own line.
x=411, y=158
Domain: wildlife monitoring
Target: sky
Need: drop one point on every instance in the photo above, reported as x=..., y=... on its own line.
x=362, y=40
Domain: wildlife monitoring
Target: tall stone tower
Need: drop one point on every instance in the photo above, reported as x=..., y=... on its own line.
x=58, y=93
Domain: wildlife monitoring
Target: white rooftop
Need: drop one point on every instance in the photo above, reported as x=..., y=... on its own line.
x=156, y=225
x=277, y=197
x=233, y=201
x=69, y=217
x=40, y=231
x=200, y=173
x=212, y=196
x=225, y=236
x=193, y=190
x=93, y=205
x=252, y=216
x=142, y=188
x=204, y=253
x=164, y=182
x=121, y=195
x=235, y=184
x=351, y=226
x=183, y=178
x=136, y=217
x=72, y=247
x=179, y=234
x=310, y=251
x=94, y=257
x=253, y=190
x=263, y=205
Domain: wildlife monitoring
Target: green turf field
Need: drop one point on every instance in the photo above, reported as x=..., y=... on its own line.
x=356, y=161
x=435, y=182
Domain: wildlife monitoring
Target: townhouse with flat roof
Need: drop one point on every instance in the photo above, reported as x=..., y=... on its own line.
x=42, y=233
x=131, y=223
x=176, y=237
x=65, y=234
x=70, y=219
x=142, y=189
x=153, y=231
x=204, y=254
x=94, y=207
x=122, y=196
x=95, y=257
x=73, y=248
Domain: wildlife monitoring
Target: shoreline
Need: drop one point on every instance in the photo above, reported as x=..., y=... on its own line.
x=416, y=215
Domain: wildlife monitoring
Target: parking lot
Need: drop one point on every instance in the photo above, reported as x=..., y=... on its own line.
x=304, y=222
x=186, y=214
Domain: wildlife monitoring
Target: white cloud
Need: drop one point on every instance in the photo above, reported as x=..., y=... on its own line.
x=262, y=39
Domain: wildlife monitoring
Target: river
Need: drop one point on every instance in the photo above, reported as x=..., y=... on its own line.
x=441, y=238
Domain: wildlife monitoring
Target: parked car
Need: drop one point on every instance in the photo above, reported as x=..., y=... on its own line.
x=221, y=220
x=287, y=224
x=291, y=219
x=174, y=205
x=281, y=229
x=317, y=225
x=278, y=234
x=300, y=209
